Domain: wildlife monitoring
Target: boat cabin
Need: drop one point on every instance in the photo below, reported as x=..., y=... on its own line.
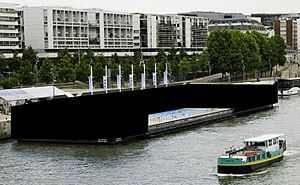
x=267, y=143
x=288, y=83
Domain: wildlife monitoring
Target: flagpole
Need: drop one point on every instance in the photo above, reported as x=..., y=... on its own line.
x=120, y=86
x=106, y=79
x=91, y=81
x=132, y=87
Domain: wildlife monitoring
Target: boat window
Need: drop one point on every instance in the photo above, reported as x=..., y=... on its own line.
x=263, y=156
x=253, y=158
x=258, y=157
x=274, y=141
x=270, y=142
x=261, y=144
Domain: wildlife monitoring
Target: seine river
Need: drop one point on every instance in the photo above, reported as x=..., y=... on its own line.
x=187, y=157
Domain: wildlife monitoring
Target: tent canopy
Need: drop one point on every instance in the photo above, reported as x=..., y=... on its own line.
x=32, y=93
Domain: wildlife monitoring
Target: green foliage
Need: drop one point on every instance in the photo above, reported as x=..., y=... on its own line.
x=30, y=55
x=65, y=70
x=278, y=47
x=8, y=83
x=126, y=67
x=114, y=66
x=15, y=62
x=99, y=67
x=90, y=55
x=161, y=60
x=3, y=63
x=26, y=75
x=233, y=51
x=46, y=72
x=82, y=71
x=150, y=67
x=174, y=61
x=184, y=67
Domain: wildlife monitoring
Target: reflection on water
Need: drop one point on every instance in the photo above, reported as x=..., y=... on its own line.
x=187, y=157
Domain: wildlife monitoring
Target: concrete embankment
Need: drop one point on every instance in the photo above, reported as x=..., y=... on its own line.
x=5, y=127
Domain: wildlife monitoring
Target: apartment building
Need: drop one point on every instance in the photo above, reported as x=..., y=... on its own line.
x=287, y=29
x=167, y=31
x=10, y=33
x=52, y=28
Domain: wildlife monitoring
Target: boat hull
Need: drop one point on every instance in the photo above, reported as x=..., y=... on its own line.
x=244, y=169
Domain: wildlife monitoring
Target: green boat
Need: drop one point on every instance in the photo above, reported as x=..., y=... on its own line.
x=258, y=152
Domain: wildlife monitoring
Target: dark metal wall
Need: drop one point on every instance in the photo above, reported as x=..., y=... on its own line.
x=125, y=114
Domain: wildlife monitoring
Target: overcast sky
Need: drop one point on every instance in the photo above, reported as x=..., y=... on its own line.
x=174, y=6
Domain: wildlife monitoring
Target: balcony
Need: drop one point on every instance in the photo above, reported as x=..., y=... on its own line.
x=10, y=39
x=8, y=15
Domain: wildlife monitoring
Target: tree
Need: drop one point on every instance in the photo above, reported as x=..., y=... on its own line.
x=174, y=61
x=90, y=55
x=25, y=73
x=15, y=62
x=65, y=70
x=45, y=73
x=99, y=67
x=278, y=47
x=203, y=61
x=184, y=67
x=114, y=65
x=137, y=65
x=150, y=67
x=3, y=63
x=219, y=46
x=161, y=60
x=30, y=55
x=82, y=70
x=264, y=49
x=182, y=54
x=126, y=67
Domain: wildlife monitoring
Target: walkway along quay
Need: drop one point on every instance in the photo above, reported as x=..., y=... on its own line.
x=122, y=116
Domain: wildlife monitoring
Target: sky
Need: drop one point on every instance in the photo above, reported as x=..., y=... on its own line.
x=174, y=6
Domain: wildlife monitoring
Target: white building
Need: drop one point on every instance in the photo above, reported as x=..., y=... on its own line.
x=167, y=31
x=10, y=33
x=52, y=28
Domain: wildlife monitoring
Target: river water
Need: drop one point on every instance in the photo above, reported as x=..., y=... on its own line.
x=187, y=157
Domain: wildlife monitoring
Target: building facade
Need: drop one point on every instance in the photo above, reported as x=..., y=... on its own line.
x=242, y=25
x=10, y=29
x=229, y=21
x=287, y=29
x=173, y=31
x=53, y=28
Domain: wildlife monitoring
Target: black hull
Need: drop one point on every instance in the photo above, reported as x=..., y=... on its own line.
x=247, y=168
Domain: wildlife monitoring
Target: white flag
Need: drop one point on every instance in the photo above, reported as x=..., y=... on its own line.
x=119, y=82
x=143, y=81
x=131, y=81
x=105, y=83
x=154, y=80
x=165, y=78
